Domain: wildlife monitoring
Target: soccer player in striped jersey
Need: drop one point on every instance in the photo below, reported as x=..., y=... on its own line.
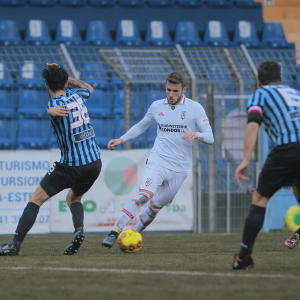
x=80, y=162
x=277, y=106
x=170, y=157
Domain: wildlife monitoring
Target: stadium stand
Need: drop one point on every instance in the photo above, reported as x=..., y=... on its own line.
x=191, y=3
x=29, y=76
x=42, y=3
x=128, y=34
x=247, y=3
x=158, y=34
x=9, y=33
x=8, y=133
x=37, y=33
x=13, y=2
x=132, y=3
x=104, y=3
x=67, y=32
x=161, y=3
x=72, y=3
x=186, y=34
x=219, y=3
x=97, y=34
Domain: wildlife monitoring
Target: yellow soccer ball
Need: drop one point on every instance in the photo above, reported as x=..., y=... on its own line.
x=130, y=241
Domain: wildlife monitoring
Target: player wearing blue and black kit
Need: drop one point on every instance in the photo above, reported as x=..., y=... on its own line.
x=277, y=106
x=80, y=162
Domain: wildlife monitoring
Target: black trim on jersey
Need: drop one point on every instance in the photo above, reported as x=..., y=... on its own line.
x=254, y=117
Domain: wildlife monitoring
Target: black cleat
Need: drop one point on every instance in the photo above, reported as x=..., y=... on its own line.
x=109, y=241
x=77, y=240
x=8, y=250
x=246, y=263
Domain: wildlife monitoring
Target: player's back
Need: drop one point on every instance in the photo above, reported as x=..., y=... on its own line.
x=74, y=133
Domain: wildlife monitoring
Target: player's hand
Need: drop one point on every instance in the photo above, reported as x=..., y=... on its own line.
x=190, y=135
x=52, y=65
x=58, y=111
x=241, y=170
x=114, y=143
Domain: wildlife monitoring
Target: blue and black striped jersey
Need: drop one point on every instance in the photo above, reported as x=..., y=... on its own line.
x=74, y=133
x=279, y=107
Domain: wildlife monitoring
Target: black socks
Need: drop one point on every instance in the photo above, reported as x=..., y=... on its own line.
x=253, y=225
x=77, y=214
x=26, y=222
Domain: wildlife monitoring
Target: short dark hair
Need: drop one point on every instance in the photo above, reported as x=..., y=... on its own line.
x=269, y=71
x=56, y=77
x=175, y=78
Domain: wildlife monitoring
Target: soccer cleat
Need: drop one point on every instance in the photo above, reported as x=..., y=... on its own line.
x=109, y=241
x=246, y=263
x=8, y=250
x=292, y=241
x=77, y=240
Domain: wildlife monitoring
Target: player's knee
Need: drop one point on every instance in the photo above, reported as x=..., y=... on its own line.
x=153, y=205
x=258, y=199
x=142, y=198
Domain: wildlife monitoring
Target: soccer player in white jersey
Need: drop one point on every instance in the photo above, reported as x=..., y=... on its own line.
x=170, y=157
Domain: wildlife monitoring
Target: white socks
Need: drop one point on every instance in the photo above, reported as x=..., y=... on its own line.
x=146, y=217
x=130, y=209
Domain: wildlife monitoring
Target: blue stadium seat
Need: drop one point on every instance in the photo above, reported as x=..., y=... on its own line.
x=67, y=32
x=30, y=77
x=102, y=3
x=118, y=107
x=37, y=33
x=219, y=3
x=104, y=129
x=7, y=106
x=98, y=34
x=95, y=75
x=42, y=2
x=274, y=36
x=6, y=80
x=13, y=2
x=216, y=35
x=187, y=35
x=155, y=93
x=161, y=3
x=132, y=3
x=158, y=34
x=245, y=33
x=99, y=106
x=128, y=34
x=190, y=3
x=72, y=3
x=8, y=133
x=32, y=104
x=247, y=3
x=138, y=100
x=9, y=33
x=34, y=134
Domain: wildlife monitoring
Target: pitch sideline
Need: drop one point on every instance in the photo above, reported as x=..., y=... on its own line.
x=176, y=273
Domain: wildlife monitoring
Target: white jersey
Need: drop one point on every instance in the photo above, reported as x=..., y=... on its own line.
x=170, y=150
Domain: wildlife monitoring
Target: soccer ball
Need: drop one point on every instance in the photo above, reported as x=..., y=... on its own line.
x=130, y=241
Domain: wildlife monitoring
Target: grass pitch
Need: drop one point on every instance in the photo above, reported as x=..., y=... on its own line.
x=169, y=266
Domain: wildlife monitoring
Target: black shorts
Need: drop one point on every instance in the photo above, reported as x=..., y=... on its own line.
x=282, y=168
x=80, y=179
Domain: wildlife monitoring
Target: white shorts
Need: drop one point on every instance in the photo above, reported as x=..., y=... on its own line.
x=162, y=182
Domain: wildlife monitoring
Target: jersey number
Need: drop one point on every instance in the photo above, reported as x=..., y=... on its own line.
x=79, y=113
x=290, y=96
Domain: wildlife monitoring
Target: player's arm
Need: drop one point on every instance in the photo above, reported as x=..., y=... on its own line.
x=58, y=111
x=76, y=83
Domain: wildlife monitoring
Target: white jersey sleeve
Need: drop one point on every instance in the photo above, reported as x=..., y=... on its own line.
x=205, y=135
x=140, y=127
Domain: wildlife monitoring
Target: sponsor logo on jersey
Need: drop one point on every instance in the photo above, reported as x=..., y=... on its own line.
x=170, y=127
x=148, y=182
x=183, y=114
x=161, y=114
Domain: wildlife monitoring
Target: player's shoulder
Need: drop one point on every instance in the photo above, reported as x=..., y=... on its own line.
x=159, y=102
x=193, y=104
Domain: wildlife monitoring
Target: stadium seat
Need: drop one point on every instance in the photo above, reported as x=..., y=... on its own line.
x=216, y=35
x=128, y=34
x=6, y=80
x=158, y=34
x=99, y=105
x=7, y=106
x=190, y=3
x=161, y=3
x=37, y=33
x=98, y=34
x=219, y=3
x=72, y=3
x=34, y=134
x=187, y=35
x=274, y=36
x=104, y=129
x=138, y=100
x=67, y=32
x=132, y=3
x=32, y=104
x=247, y=3
x=9, y=33
x=8, y=133
x=245, y=33
x=118, y=107
x=104, y=3
x=95, y=75
x=42, y=2
x=30, y=77
x=13, y=2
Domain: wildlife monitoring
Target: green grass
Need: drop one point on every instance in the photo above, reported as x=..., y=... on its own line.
x=176, y=252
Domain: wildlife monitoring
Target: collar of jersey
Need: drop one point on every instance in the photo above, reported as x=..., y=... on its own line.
x=181, y=102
